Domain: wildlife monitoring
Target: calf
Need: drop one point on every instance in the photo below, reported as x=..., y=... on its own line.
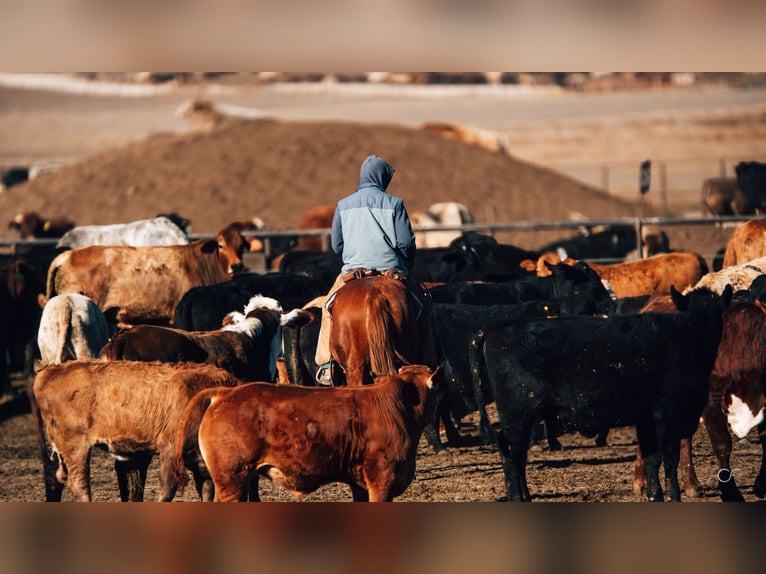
x=131, y=409
x=248, y=347
x=303, y=438
x=31, y=225
x=591, y=374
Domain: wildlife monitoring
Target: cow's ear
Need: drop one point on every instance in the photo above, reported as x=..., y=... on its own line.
x=210, y=246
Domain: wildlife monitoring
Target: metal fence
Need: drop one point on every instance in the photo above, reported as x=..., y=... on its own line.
x=13, y=247
x=675, y=186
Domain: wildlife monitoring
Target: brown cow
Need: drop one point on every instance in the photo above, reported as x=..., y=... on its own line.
x=722, y=196
x=31, y=225
x=654, y=274
x=131, y=409
x=247, y=345
x=648, y=276
x=747, y=242
x=144, y=284
x=304, y=437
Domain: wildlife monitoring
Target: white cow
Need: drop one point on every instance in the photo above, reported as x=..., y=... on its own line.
x=738, y=276
x=71, y=327
x=142, y=233
x=438, y=215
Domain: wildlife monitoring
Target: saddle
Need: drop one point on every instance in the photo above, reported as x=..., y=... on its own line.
x=361, y=273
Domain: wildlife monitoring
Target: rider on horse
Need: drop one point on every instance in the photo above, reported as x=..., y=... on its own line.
x=372, y=232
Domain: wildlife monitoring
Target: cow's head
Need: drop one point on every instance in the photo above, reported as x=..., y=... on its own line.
x=27, y=224
x=231, y=243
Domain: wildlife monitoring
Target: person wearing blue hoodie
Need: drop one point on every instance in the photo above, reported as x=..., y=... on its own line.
x=371, y=230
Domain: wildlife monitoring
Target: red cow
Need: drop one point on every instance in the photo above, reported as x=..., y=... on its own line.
x=304, y=437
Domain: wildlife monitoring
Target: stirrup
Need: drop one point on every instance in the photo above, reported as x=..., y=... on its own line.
x=324, y=374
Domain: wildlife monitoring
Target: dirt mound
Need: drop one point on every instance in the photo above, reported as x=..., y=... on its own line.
x=276, y=170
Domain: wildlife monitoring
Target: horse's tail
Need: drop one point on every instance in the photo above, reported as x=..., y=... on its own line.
x=380, y=328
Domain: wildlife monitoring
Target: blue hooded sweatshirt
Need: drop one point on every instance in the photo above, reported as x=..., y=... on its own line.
x=371, y=228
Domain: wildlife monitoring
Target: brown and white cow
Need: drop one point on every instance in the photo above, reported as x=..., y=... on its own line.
x=738, y=276
x=131, y=409
x=144, y=284
x=747, y=242
x=247, y=346
x=442, y=214
x=304, y=437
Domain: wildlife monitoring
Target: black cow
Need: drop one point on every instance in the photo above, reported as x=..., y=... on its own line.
x=591, y=374
x=324, y=266
x=203, y=308
x=751, y=179
x=20, y=286
x=577, y=288
x=615, y=242
x=472, y=257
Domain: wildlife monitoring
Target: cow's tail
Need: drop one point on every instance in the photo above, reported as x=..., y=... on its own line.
x=53, y=270
x=186, y=439
x=65, y=337
x=380, y=327
x=478, y=370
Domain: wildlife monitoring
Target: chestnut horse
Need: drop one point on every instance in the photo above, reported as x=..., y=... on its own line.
x=374, y=328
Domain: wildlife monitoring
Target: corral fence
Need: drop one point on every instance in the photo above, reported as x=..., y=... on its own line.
x=257, y=262
x=676, y=183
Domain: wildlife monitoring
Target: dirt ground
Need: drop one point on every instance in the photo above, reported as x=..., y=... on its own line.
x=121, y=166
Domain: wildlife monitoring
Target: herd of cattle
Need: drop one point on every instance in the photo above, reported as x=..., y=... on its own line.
x=144, y=343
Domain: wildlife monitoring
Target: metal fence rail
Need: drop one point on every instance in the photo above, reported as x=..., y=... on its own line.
x=12, y=246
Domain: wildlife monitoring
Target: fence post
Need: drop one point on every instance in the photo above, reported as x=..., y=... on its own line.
x=664, y=187
x=722, y=166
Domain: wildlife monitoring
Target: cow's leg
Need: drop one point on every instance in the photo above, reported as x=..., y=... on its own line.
x=601, y=438
x=168, y=481
x=203, y=485
x=689, y=480
x=639, y=474
x=53, y=487
x=78, y=466
x=513, y=452
x=650, y=451
x=720, y=439
x=359, y=494
x=670, y=456
x=252, y=489
x=131, y=476
x=759, y=487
